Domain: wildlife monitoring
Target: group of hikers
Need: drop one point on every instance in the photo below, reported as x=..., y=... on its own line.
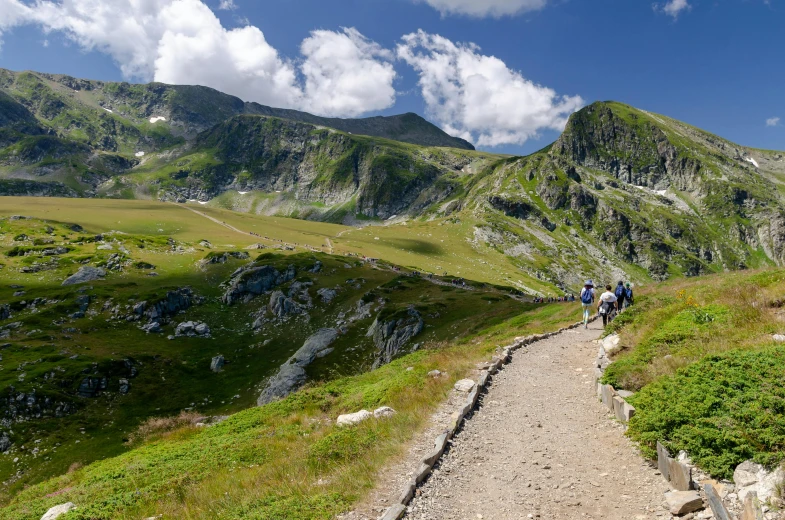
x=609, y=304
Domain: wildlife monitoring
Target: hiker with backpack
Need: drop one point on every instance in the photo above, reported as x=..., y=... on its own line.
x=587, y=301
x=628, y=296
x=621, y=294
x=607, y=306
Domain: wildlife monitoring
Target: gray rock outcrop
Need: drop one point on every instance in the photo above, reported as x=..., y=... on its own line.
x=391, y=335
x=192, y=329
x=85, y=274
x=750, y=477
x=175, y=301
x=5, y=442
x=292, y=374
x=5, y=312
x=280, y=306
x=248, y=283
x=327, y=295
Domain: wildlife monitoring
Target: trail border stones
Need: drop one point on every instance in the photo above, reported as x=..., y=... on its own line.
x=472, y=389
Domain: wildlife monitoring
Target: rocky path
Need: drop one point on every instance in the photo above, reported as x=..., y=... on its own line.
x=542, y=446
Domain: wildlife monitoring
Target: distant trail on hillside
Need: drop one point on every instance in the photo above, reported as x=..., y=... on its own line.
x=220, y=223
x=542, y=446
x=248, y=233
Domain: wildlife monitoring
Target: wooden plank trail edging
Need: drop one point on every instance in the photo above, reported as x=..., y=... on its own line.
x=398, y=510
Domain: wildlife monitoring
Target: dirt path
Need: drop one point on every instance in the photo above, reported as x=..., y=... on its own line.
x=220, y=223
x=542, y=446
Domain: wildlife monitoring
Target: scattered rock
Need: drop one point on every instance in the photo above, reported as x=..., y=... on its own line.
x=217, y=363
x=5, y=312
x=465, y=385
x=152, y=327
x=353, y=418
x=327, y=295
x=192, y=329
x=125, y=386
x=85, y=274
x=384, y=411
x=435, y=373
x=205, y=243
x=779, y=338
x=56, y=511
x=683, y=502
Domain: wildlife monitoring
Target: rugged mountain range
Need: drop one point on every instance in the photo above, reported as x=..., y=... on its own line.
x=623, y=192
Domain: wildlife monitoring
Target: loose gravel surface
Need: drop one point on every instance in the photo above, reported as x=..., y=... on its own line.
x=541, y=445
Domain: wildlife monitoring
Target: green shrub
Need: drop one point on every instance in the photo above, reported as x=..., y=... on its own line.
x=723, y=410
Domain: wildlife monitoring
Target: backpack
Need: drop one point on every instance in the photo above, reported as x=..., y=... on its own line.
x=620, y=292
x=628, y=294
x=587, y=296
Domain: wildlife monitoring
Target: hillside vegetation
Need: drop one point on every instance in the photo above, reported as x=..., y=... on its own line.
x=109, y=366
x=701, y=356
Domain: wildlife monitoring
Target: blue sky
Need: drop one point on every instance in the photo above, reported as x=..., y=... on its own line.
x=715, y=64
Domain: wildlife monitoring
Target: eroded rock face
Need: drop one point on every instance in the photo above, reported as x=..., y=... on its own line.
x=292, y=374
x=85, y=274
x=391, y=336
x=251, y=282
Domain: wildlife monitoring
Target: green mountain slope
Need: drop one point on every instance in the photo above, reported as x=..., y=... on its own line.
x=623, y=193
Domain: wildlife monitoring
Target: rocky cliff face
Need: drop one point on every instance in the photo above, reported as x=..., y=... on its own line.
x=623, y=189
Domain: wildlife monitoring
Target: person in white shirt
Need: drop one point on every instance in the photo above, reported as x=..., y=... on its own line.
x=606, y=305
x=587, y=301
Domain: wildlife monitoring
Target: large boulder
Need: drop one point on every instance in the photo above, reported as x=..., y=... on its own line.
x=85, y=274
x=750, y=476
x=391, y=335
x=291, y=375
x=249, y=283
x=57, y=511
x=350, y=419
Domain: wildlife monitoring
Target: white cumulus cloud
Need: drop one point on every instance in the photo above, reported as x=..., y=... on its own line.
x=183, y=42
x=482, y=8
x=346, y=74
x=673, y=8
x=478, y=97
x=227, y=5
x=773, y=121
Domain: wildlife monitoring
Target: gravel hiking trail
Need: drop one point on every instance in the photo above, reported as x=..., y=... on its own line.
x=541, y=445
